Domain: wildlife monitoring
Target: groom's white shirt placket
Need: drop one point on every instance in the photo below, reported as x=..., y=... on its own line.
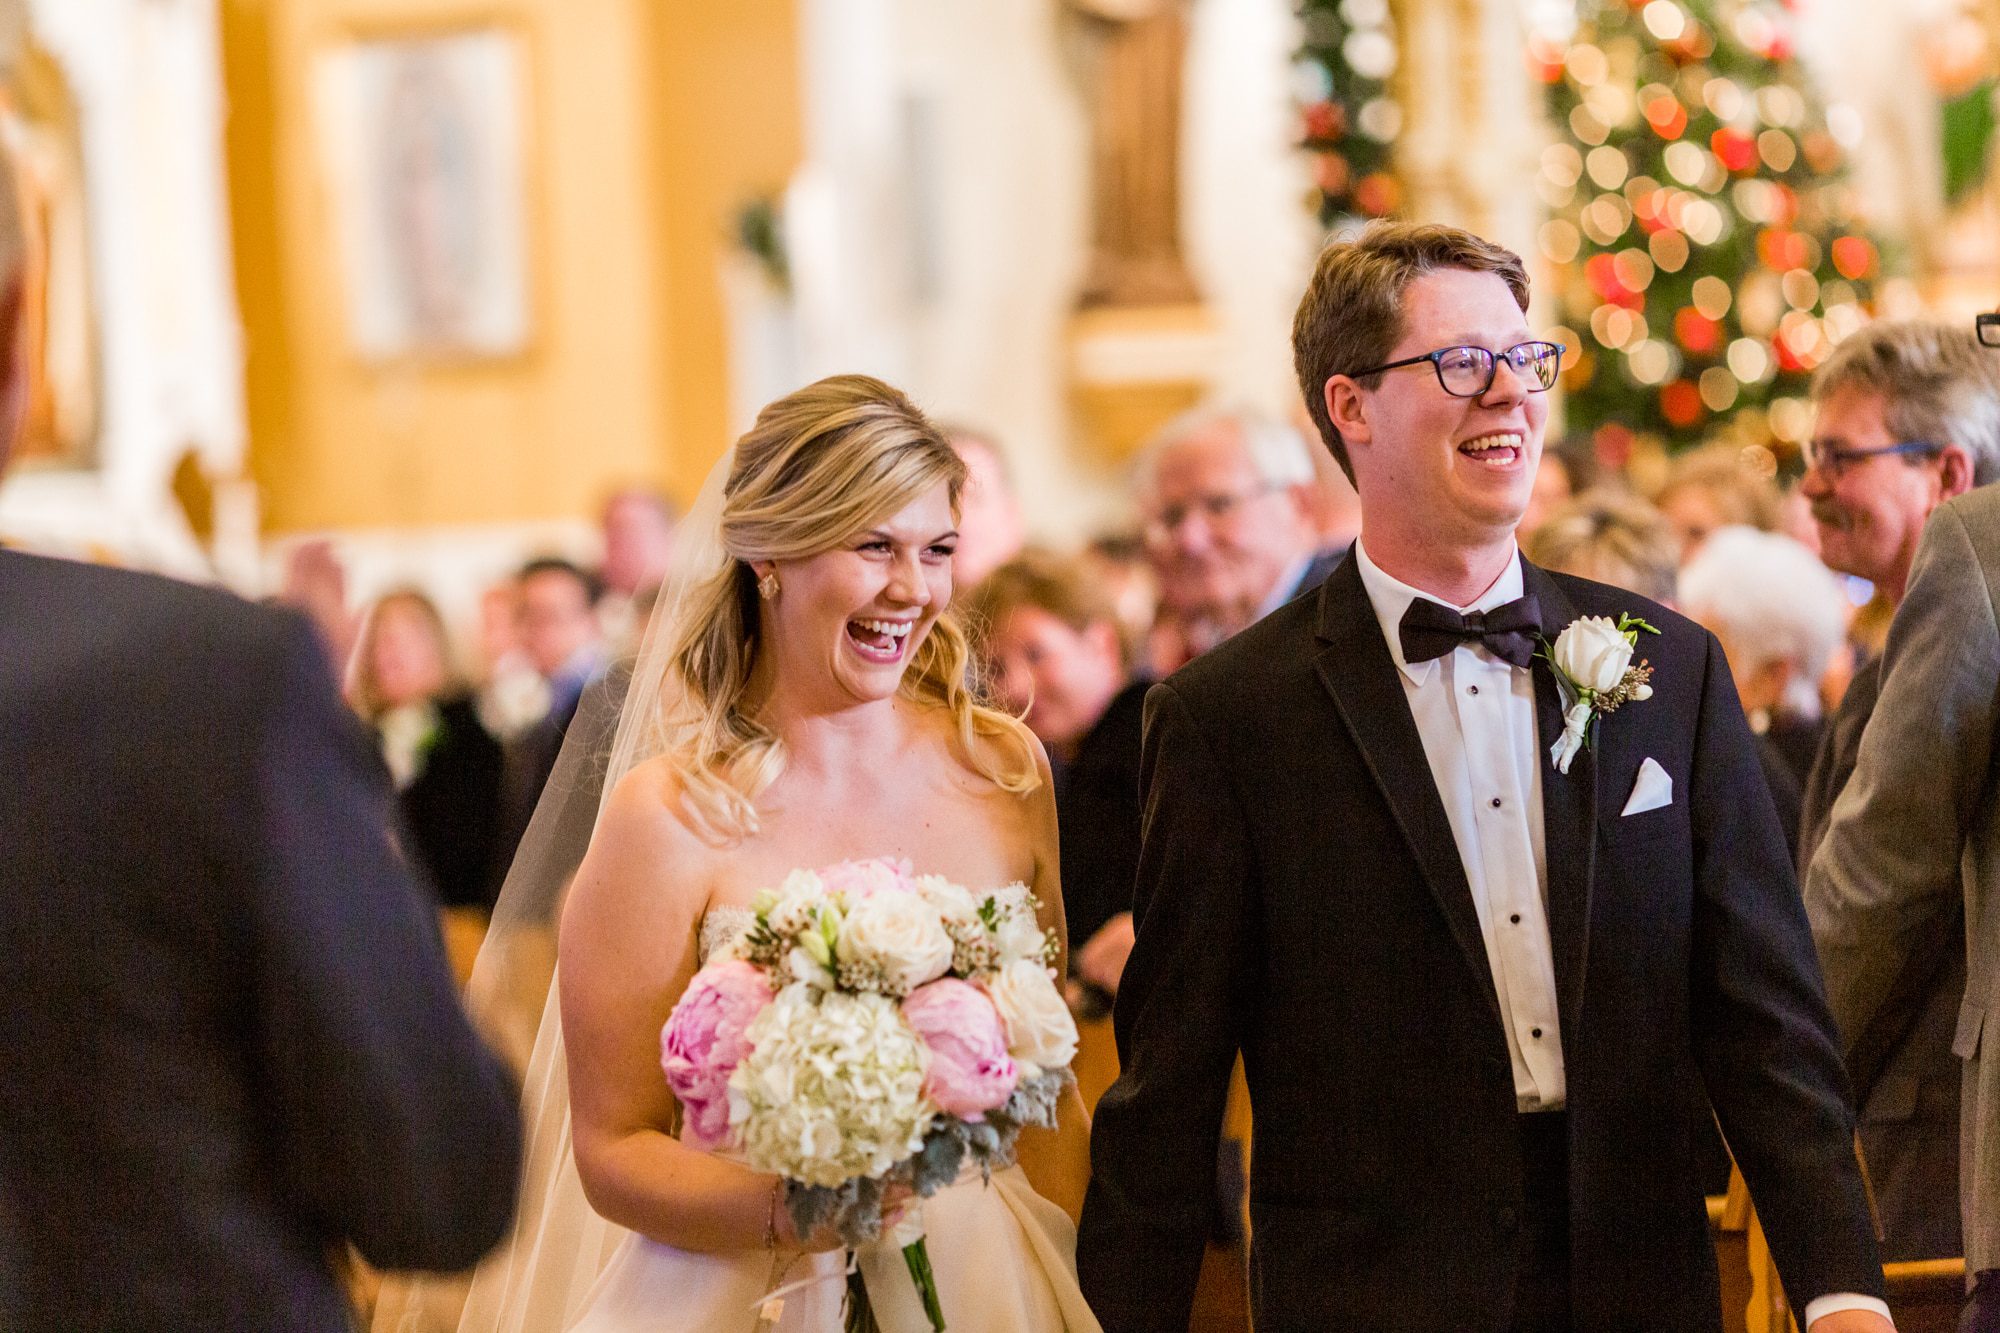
x=1476, y=716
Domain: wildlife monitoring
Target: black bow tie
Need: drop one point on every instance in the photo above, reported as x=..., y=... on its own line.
x=1432, y=629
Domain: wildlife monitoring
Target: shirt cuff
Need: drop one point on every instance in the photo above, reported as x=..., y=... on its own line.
x=1843, y=1300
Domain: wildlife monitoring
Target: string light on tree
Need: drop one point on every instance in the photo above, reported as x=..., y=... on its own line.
x=1708, y=245
x=1346, y=58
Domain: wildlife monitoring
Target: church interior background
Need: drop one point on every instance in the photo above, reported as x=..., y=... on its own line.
x=430, y=277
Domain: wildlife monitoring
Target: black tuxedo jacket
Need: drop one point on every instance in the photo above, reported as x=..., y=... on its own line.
x=232, y=1042
x=1301, y=899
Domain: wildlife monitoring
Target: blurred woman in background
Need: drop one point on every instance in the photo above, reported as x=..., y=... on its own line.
x=1055, y=653
x=445, y=764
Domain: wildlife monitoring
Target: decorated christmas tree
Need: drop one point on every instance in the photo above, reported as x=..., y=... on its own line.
x=1707, y=243
x=1346, y=58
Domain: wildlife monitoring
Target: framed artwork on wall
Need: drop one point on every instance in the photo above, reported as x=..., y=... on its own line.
x=422, y=143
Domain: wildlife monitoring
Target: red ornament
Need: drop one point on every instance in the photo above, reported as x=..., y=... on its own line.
x=1545, y=60
x=1781, y=249
x=1667, y=116
x=1696, y=333
x=1736, y=150
x=1602, y=271
x=1680, y=404
x=1854, y=257
x=1331, y=172
x=1782, y=204
x=1325, y=120
x=1788, y=360
x=1378, y=195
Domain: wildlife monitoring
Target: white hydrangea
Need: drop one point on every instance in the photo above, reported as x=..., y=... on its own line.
x=832, y=1088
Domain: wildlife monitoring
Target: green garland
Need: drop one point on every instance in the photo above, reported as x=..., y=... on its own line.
x=1349, y=120
x=1707, y=241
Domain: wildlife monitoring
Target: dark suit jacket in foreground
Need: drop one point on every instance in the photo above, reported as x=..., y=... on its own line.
x=1301, y=899
x=232, y=1043
x=1097, y=806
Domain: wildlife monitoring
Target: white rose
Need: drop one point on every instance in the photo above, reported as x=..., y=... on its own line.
x=1020, y=936
x=953, y=903
x=901, y=934
x=1040, y=1030
x=1593, y=654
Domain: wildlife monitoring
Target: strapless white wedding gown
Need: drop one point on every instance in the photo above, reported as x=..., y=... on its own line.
x=1004, y=1257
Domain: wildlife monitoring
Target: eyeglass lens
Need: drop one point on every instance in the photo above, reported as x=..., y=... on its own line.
x=1468, y=371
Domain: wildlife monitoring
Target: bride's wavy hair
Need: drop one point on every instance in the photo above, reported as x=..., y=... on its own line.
x=819, y=466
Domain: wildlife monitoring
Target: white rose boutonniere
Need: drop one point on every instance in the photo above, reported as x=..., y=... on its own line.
x=1592, y=658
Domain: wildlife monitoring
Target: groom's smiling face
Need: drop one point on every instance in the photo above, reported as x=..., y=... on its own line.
x=1460, y=470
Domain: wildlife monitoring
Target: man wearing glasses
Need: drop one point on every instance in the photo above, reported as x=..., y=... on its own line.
x=1227, y=531
x=1480, y=982
x=1908, y=416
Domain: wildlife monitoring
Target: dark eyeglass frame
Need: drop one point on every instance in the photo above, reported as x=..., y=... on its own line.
x=1988, y=329
x=1532, y=382
x=1831, y=462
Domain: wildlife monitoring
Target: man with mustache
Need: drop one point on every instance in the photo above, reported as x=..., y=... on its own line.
x=1908, y=417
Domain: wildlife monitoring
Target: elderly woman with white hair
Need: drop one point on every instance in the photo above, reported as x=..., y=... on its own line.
x=1780, y=615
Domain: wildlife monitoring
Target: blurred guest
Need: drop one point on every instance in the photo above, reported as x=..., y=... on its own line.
x=638, y=527
x=1331, y=504
x=1116, y=563
x=1907, y=416
x=1058, y=657
x=315, y=582
x=444, y=763
x=1779, y=616
x=1222, y=493
x=1611, y=537
x=232, y=1044
x=1714, y=487
x=990, y=529
x=512, y=694
x=1564, y=473
x=1911, y=854
x=559, y=633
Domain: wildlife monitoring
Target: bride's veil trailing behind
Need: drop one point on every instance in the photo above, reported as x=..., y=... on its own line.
x=538, y=1279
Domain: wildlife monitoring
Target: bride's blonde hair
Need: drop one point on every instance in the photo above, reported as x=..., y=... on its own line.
x=819, y=466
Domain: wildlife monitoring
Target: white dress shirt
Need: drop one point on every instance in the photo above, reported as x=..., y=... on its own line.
x=1476, y=717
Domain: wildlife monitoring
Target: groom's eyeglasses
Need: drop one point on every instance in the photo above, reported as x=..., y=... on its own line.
x=1467, y=372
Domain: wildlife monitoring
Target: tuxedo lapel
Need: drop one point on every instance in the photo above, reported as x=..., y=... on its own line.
x=1359, y=673
x=1569, y=813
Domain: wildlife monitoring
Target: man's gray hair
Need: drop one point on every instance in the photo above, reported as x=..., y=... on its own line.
x=1937, y=384
x=1277, y=451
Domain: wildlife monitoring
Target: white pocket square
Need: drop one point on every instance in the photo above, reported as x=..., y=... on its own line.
x=1653, y=790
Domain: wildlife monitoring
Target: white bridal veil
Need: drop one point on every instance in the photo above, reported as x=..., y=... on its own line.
x=537, y=1280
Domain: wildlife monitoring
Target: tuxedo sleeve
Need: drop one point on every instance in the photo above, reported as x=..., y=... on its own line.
x=1888, y=870
x=1762, y=1034
x=1153, y=1140
x=396, y=1128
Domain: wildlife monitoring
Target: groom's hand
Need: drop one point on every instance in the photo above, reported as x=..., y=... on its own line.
x=1851, y=1321
x=1102, y=961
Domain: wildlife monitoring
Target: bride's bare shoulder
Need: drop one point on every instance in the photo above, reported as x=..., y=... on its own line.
x=644, y=840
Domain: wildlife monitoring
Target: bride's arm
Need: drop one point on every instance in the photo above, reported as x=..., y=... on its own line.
x=627, y=951
x=1057, y=1161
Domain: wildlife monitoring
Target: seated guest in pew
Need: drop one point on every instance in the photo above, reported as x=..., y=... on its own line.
x=1610, y=536
x=444, y=763
x=1780, y=614
x=233, y=1047
x=1055, y=653
x=1714, y=487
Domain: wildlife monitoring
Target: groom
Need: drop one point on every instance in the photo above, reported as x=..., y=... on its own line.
x=1479, y=999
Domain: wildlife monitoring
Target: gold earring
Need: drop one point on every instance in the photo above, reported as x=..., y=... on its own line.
x=767, y=587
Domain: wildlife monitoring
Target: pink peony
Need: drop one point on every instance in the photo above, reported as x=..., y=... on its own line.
x=970, y=1071
x=703, y=1041
x=858, y=879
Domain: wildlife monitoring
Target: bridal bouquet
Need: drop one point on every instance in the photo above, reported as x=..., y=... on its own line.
x=873, y=1027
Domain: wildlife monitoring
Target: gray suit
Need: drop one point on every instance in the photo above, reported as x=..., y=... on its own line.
x=1916, y=833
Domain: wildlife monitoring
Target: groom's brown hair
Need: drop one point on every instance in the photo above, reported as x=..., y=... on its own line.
x=1352, y=312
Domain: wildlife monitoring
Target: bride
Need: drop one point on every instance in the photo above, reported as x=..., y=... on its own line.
x=802, y=701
